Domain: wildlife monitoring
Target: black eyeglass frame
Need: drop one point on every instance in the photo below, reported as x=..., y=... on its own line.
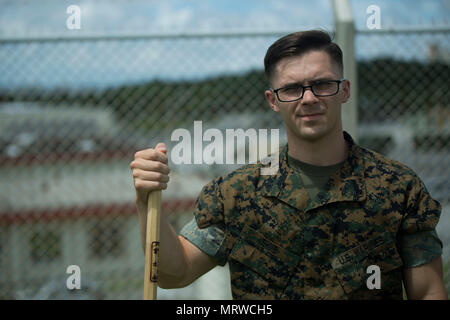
x=312, y=90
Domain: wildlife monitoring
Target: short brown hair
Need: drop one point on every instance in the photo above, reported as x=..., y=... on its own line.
x=298, y=43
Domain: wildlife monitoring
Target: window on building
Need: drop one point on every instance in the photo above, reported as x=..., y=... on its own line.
x=380, y=144
x=426, y=142
x=106, y=240
x=45, y=246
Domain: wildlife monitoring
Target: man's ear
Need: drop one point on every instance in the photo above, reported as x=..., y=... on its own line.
x=345, y=91
x=271, y=99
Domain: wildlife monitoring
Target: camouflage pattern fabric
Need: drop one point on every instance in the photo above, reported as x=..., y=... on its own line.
x=281, y=244
x=209, y=240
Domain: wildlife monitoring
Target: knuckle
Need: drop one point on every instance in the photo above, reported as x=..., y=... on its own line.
x=138, y=184
x=135, y=163
x=154, y=185
x=160, y=185
x=159, y=166
x=152, y=153
x=158, y=176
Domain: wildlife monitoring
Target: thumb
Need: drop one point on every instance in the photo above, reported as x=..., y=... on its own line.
x=161, y=147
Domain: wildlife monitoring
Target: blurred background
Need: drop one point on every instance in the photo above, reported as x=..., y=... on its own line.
x=76, y=104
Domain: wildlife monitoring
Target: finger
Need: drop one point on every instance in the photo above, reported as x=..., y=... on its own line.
x=150, y=175
x=151, y=154
x=161, y=147
x=150, y=165
x=143, y=185
x=162, y=155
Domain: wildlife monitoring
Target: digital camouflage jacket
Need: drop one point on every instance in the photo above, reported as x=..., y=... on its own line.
x=280, y=244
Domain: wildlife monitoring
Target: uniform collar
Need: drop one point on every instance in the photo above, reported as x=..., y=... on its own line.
x=347, y=184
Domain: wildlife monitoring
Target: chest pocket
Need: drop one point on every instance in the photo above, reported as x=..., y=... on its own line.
x=265, y=258
x=351, y=266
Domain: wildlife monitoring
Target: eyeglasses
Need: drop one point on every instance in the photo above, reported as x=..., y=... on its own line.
x=294, y=92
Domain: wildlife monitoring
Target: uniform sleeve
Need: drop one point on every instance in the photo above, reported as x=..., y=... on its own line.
x=210, y=240
x=207, y=230
x=420, y=248
x=418, y=240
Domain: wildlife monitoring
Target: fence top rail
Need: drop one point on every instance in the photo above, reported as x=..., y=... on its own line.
x=406, y=29
x=114, y=37
x=188, y=35
x=193, y=35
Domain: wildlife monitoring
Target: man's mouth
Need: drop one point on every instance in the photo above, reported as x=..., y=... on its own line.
x=311, y=116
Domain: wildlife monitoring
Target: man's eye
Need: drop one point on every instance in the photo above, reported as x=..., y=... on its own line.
x=323, y=85
x=290, y=90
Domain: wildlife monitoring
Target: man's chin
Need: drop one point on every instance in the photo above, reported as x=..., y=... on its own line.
x=312, y=134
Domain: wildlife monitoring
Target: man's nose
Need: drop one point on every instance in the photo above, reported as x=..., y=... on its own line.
x=308, y=96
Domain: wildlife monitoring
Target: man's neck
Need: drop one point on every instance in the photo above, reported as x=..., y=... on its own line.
x=329, y=150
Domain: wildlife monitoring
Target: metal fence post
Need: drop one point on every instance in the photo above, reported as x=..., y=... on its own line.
x=345, y=35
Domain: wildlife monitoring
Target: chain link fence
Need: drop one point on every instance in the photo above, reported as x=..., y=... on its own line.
x=74, y=111
x=404, y=107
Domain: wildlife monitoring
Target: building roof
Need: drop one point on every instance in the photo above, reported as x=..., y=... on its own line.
x=40, y=133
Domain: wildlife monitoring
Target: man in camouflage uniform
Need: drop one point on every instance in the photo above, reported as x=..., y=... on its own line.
x=317, y=228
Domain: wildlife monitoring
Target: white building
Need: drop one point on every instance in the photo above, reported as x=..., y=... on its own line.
x=67, y=198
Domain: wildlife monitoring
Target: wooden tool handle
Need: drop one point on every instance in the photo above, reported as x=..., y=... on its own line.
x=152, y=245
